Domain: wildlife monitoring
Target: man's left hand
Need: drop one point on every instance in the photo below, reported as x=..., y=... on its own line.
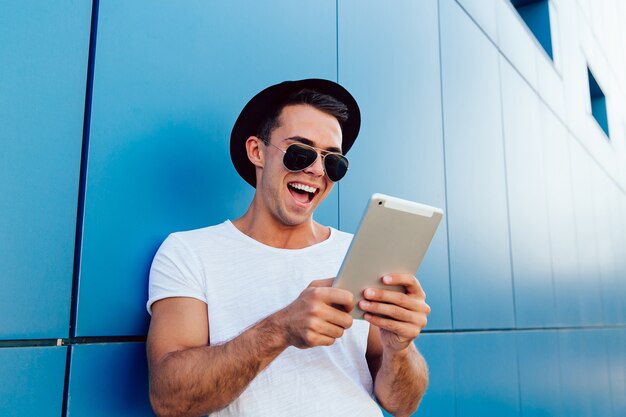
x=400, y=317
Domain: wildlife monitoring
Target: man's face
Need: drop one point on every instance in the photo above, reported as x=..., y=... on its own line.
x=281, y=190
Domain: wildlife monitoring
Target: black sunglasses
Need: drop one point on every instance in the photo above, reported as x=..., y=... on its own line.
x=299, y=156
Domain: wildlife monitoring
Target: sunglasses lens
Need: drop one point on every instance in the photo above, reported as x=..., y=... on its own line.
x=299, y=157
x=336, y=166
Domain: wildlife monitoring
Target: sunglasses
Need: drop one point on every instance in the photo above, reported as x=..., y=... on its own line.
x=299, y=156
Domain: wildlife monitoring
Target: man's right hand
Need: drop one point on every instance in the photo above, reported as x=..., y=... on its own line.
x=318, y=316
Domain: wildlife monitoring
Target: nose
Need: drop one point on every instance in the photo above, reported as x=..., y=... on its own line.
x=317, y=168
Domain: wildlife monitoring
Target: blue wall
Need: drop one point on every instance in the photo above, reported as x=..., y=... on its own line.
x=114, y=125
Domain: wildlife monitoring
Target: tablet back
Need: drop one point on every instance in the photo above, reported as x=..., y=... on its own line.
x=393, y=237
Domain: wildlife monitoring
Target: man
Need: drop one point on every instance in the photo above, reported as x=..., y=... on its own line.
x=243, y=321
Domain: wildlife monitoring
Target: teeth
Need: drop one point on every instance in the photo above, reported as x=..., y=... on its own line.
x=303, y=187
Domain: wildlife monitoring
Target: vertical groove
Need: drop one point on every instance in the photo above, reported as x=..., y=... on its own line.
x=80, y=211
x=549, y=217
x=337, y=78
x=506, y=190
x=66, y=384
x=508, y=222
x=576, y=216
x=337, y=38
x=445, y=173
x=452, y=339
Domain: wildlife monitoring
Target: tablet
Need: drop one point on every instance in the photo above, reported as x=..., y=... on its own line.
x=393, y=237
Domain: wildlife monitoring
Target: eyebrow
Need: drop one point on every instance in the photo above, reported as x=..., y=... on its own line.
x=309, y=142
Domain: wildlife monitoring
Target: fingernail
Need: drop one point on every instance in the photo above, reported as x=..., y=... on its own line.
x=369, y=293
x=386, y=279
x=365, y=304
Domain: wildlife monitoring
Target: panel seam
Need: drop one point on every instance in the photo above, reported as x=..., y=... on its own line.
x=576, y=137
x=80, y=210
x=337, y=78
x=508, y=197
x=443, y=148
x=445, y=192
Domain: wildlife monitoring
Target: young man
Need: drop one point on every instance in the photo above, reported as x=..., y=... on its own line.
x=244, y=319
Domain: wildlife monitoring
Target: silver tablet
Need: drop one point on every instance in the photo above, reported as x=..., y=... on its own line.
x=393, y=237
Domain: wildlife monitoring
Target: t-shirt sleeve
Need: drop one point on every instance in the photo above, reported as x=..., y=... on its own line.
x=175, y=272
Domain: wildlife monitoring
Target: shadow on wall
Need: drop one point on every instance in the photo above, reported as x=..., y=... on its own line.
x=171, y=178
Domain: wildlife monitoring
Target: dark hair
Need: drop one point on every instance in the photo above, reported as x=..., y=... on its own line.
x=322, y=102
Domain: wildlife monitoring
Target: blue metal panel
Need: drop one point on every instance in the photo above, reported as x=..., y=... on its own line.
x=109, y=380
x=616, y=346
x=484, y=13
x=516, y=41
x=618, y=229
x=477, y=211
x=584, y=374
x=603, y=189
x=486, y=375
x=590, y=284
x=32, y=381
x=567, y=288
x=538, y=359
x=400, y=150
x=439, y=398
x=165, y=99
x=528, y=207
x=44, y=52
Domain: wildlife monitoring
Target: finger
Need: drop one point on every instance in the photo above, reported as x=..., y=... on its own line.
x=408, y=281
x=410, y=302
x=401, y=329
x=332, y=296
x=389, y=310
x=326, y=282
x=330, y=304
x=326, y=341
x=336, y=317
x=316, y=339
x=327, y=329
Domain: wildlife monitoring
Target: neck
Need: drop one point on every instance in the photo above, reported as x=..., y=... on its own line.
x=265, y=228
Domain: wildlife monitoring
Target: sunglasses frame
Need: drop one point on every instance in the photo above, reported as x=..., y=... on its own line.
x=320, y=153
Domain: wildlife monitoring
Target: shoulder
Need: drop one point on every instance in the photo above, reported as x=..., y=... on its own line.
x=204, y=237
x=215, y=231
x=339, y=241
x=341, y=236
x=185, y=244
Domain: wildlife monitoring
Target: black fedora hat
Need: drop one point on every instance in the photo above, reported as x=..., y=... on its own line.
x=265, y=103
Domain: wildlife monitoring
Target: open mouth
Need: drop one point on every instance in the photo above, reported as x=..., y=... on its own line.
x=302, y=193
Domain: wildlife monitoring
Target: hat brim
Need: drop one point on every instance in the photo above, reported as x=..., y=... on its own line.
x=266, y=102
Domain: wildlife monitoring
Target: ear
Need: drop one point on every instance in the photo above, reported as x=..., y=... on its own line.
x=255, y=151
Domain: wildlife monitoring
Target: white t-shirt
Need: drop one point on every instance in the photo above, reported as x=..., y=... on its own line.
x=243, y=281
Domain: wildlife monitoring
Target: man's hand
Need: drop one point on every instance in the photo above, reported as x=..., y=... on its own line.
x=400, y=317
x=187, y=373
x=313, y=320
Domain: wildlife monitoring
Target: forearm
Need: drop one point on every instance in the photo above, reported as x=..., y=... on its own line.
x=202, y=380
x=401, y=381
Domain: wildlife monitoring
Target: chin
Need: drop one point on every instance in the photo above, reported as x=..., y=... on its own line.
x=290, y=217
